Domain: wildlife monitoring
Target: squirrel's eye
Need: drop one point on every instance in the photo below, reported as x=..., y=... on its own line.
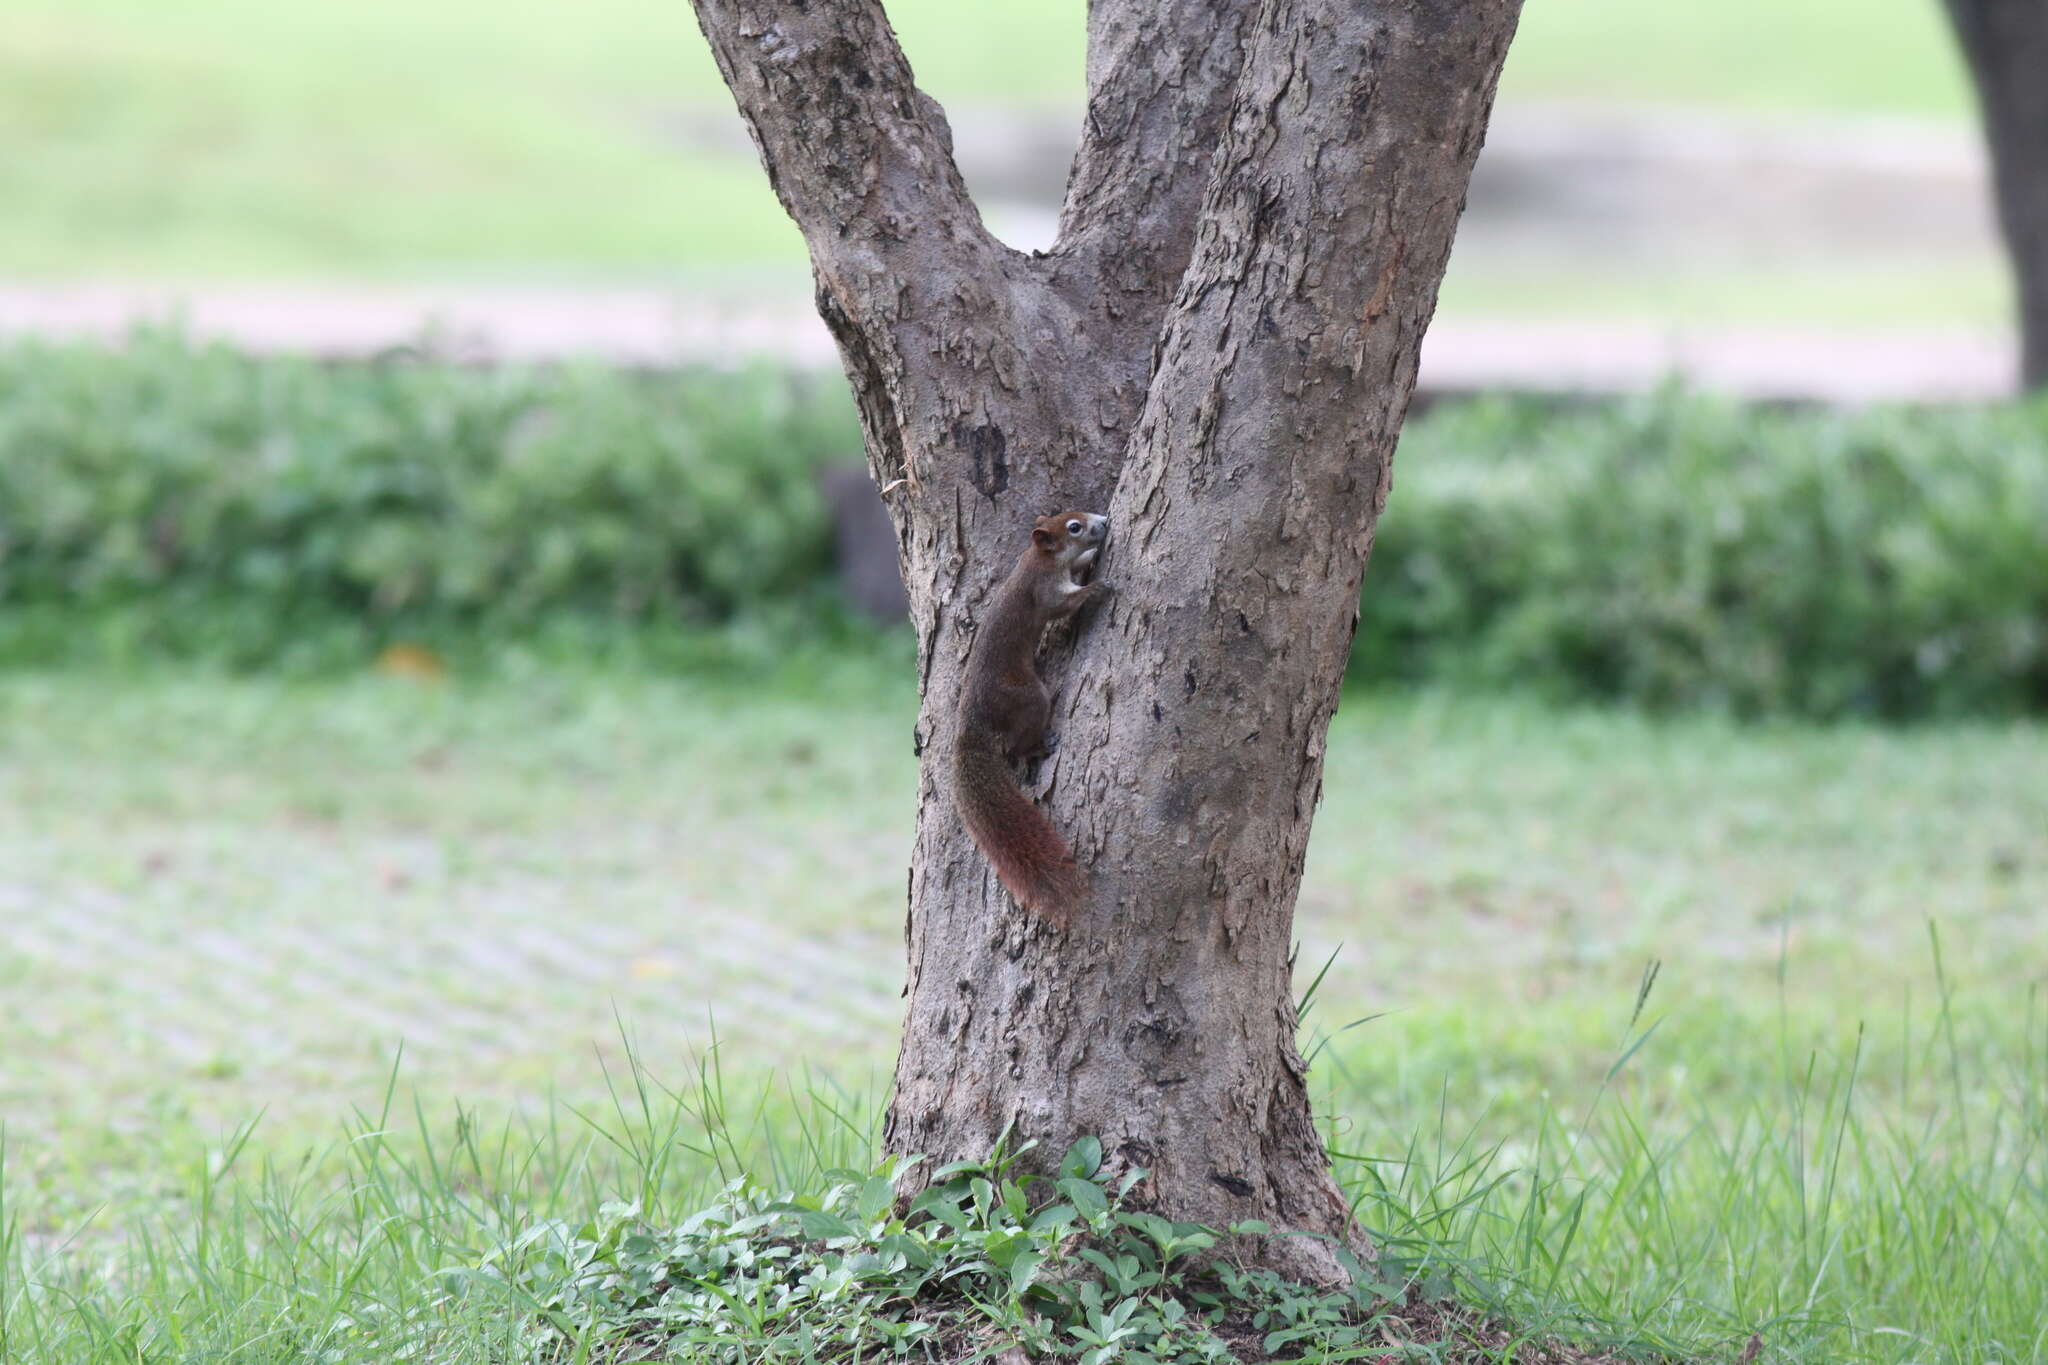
x=1073, y=528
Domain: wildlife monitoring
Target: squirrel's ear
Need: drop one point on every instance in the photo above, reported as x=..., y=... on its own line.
x=1042, y=538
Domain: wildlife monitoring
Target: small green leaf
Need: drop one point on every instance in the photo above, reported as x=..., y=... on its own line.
x=877, y=1195
x=1023, y=1270
x=1085, y=1195
x=825, y=1226
x=951, y=1214
x=1054, y=1217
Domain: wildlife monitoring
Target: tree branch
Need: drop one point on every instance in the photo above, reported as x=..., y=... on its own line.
x=1161, y=75
x=1244, y=516
x=926, y=306
x=861, y=159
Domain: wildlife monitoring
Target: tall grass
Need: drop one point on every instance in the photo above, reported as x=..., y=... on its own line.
x=1883, y=1198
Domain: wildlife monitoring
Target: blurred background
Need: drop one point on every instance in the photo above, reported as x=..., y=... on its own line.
x=431, y=542
x=1670, y=184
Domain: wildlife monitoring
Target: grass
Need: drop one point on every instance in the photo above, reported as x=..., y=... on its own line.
x=231, y=902
x=233, y=138
x=1820, y=56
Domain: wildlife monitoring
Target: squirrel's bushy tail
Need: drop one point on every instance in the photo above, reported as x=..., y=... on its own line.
x=1026, y=852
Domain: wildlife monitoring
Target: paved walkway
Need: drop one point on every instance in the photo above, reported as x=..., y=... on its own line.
x=653, y=328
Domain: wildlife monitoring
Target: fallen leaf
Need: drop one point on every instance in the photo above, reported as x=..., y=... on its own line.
x=411, y=661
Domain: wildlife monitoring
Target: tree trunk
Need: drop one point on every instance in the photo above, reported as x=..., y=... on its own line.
x=2006, y=43
x=1218, y=352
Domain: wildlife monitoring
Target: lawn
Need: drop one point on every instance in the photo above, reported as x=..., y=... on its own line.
x=233, y=897
x=241, y=139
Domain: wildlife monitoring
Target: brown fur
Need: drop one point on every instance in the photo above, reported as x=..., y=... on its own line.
x=1005, y=707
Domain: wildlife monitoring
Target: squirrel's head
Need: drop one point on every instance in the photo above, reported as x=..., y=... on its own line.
x=1071, y=539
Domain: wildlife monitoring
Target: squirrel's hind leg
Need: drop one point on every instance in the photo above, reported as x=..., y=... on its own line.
x=1026, y=740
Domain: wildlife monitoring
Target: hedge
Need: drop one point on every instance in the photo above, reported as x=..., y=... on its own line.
x=405, y=488
x=1682, y=550
x=1673, y=550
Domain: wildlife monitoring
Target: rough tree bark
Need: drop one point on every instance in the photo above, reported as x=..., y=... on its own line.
x=1219, y=352
x=2006, y=44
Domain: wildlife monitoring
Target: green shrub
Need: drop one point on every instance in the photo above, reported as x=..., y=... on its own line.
x=1672, y=550
x=405, y=489
x=1679, y=550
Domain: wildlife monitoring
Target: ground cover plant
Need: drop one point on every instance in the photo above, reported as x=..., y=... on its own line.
x=171, y=500
x=230, y=901
x=981, y=1264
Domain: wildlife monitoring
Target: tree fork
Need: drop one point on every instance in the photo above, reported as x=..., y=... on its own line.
x=1219, y=352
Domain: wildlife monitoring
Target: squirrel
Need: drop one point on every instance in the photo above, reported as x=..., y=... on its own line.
x=1005, y=707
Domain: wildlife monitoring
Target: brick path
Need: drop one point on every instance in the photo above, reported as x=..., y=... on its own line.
x=490, y=987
